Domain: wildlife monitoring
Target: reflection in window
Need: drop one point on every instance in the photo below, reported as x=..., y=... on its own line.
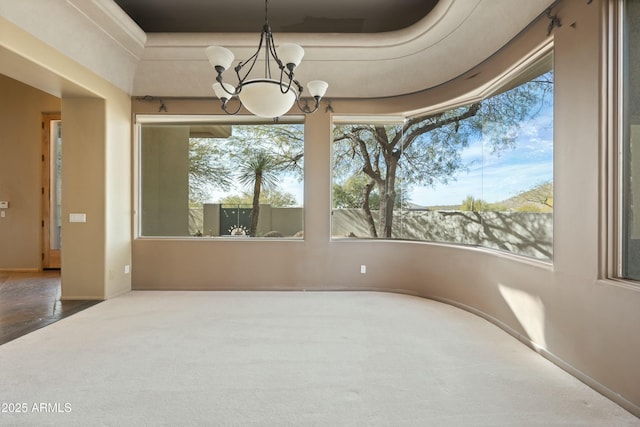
x=479, y=174
x=631, y=145
x=209, y=180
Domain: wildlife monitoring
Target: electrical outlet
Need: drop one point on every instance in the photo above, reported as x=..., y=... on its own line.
x=363, y=269
x=127, y=269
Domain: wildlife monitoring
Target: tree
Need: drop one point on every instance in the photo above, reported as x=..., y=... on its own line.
x=211, y=160
x=350, y=194
x=206, y=169
x=258, y=170
x=285, y=142
x=427, y=149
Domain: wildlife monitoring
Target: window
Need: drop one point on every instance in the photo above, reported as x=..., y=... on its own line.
x=211, y=179
x=479, y=174
x=630, y=167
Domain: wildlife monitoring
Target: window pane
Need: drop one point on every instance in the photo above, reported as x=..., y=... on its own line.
x=210, y=180
x=479, y=174
x=367, y=184
x=631, y=148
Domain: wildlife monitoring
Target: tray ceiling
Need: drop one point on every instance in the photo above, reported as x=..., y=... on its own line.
x=327, y=16
x=362, y=48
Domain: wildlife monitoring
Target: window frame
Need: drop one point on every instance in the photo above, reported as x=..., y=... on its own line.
x=614, y=134
x=488, y=90
x=194, y=119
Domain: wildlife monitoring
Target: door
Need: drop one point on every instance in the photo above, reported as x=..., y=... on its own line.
x=51, y=190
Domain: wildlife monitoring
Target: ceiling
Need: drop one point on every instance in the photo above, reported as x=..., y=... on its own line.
x=445, y=40
x=362, y=48
x=326, y=16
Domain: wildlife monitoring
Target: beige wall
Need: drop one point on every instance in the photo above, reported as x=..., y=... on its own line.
x=568, y=310
x=83, y=174
x=96, y=163
x=565, y=310
x=117, y=193
x=21, y=109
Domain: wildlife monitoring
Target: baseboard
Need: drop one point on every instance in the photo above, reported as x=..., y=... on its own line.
x=118, y=293
x=20, y=270
x=81, y=298
x=561, y=363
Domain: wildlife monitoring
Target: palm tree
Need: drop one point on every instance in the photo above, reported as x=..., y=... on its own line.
x=259, y=171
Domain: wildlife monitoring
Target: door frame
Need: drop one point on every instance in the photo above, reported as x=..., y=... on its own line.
x=51, y=258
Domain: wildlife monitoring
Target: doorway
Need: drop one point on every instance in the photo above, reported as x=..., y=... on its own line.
x=51, y=190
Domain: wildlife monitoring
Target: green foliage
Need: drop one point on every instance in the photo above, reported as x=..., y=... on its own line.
x=213, y=161
x=498, y=207
x=284, y=142
x=206, y=169
x=273, y=197
x=472, y=204
x=260, y=171
x=260, y=166
x=350, y=194
x=537, y=199
x=427, y=149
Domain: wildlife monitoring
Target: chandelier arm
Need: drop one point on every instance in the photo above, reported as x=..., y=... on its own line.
x=305, y=108
x=241, y=79
x=286, y=71
x=232, y=113
x=274, y=52
x=282, y=74
x=252, y=60
x=235, y=92
x=283, y=69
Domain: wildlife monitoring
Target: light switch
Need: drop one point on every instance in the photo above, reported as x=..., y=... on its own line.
x=4, y=205
x=77, y=217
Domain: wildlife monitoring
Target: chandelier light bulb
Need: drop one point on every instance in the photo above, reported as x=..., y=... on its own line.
x=290, y=53
x=219, y=57
x=317, y=88
x=223, y=93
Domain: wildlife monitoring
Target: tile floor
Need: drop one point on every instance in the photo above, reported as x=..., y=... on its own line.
x=31, y=300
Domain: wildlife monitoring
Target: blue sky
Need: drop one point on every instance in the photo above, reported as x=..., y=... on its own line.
x=490, y=177
x=496, y=177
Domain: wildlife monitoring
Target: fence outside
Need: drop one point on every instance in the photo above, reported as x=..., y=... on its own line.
x=523, y=233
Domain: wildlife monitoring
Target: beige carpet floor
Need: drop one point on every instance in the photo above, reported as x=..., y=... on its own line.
x=286, y=359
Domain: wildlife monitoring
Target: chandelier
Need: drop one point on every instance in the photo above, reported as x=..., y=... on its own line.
x=267, y=96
